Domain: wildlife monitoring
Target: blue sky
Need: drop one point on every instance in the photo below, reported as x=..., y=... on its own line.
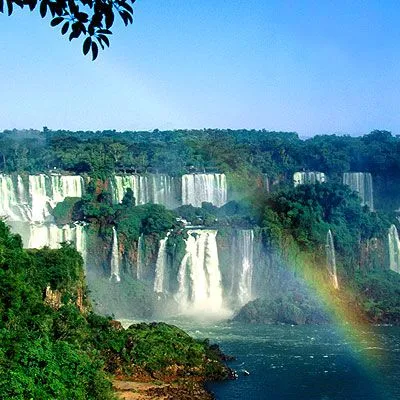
x=307, y=66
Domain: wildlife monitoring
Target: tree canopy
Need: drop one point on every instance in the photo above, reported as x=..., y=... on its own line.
x=91, y=19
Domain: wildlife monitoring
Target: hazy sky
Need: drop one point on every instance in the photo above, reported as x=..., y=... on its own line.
x=305, y=66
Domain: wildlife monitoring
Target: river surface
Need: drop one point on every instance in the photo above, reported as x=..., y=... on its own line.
x=305, y=362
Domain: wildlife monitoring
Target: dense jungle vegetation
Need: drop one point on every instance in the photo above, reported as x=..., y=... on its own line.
x=52, y=346
x=176, y=152
x=239, y=153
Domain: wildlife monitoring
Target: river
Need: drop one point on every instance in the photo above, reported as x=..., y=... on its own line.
x=305, y=362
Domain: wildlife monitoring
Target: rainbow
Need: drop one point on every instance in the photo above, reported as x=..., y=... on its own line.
x=340, y=305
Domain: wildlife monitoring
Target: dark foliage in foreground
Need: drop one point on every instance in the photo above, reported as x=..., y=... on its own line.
x=92, y=19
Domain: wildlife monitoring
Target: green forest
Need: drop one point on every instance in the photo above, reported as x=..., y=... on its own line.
x=238, y=153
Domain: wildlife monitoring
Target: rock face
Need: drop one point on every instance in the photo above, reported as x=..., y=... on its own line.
x=52, y=298
x=294, y=309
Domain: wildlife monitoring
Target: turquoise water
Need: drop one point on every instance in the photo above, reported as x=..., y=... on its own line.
x=305, y=362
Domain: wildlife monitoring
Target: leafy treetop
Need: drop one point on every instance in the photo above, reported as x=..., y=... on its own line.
x=92, y=19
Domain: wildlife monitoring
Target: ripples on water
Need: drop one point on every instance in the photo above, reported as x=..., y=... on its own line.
x=305, y=362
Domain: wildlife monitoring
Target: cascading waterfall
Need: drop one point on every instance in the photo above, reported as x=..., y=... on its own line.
x=50, y=235
x=151, y=188
x=199, y=277
x=31, y=200
x=161, y=268
x=361, y=182
x=164, y=191
x=140, y=258
x=265, y=183
x=137, y=183
x=39, y=198
x=63, y=186
x=26, y=205
x=331, y=259
x=9, y=204
x=115, y=272
x=311, y=177
x=199, y=188
x=394, y=249
x=244, y=265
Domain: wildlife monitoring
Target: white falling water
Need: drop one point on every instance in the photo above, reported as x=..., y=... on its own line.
x=161, y=267
x=265, y=183
x=140, y=258
x=164, y=191
x=138, y=184
x=199, y=188
x=199, y=277
x=361, y=182
x=331, y=259
x=37, y=236
x=63, y=186
x=151, y=188
x=39, y=198
x=394, y=249
x=32, y=200
x=115, y=262
x=80, y=242
x=9, y=205
x=245, y=248
x=311, y=177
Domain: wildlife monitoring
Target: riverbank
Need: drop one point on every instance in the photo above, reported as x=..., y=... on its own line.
x=180, y=389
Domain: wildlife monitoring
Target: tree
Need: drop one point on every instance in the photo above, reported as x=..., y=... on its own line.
x=92, y=19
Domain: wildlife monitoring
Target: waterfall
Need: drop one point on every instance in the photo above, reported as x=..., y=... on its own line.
x=312, y=177
x=199, y=276
x=151, y=188
x=63, y=186
x=39, y=198
x=36, y=236
x=331, y=259
x=164, y=191
x=361, y=182
x=394, y=249
x=8, y=200
x=80, y=242
x=140, y=258
x=161, y=267
x=115, y=273
x=265, y=183
x=32, y=200
x=199, y=188
x=244, y=265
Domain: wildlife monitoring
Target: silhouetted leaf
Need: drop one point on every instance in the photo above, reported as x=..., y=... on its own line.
x=32, y=4
x=127, y=7
x=86, y=45
x=104, y=31
x=95, y=22
x=126, y=17
x=43, y=8
x=109, y=16
x=10, y=7
x=95, y=50
x=56, y=21
x=65, y=27
x=74, y=9
x=74, y=34
x=104, y=38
